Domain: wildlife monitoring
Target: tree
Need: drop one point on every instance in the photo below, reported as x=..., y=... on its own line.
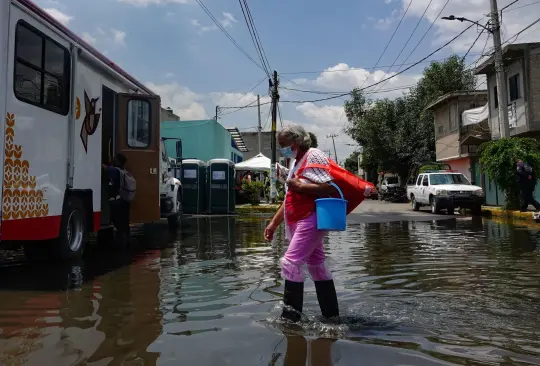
x=351, y=163
x=395, y=133
x=314, y=141
x=498, y=159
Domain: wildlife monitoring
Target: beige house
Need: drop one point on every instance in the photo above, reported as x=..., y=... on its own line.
x=522, y=72
x=456, y=144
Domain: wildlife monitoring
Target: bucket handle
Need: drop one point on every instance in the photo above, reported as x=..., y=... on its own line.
x=339, y=190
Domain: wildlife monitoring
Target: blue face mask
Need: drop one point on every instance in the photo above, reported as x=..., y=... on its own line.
x=288, y=152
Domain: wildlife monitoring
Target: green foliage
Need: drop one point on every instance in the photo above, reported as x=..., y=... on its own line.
x=351, y=163
x=314, y=140
x=253, y=191
x=498, y=159
x=431, y=167
x=395, y=133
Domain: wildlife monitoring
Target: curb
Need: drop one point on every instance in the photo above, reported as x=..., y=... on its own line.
x=508, y=214
x=248, y=209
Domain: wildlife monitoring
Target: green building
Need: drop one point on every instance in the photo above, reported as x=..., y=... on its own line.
x=204, y=140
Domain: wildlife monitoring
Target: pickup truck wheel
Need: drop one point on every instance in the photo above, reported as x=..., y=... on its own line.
x=415, y=205
x=450, y=210
x=434, y=207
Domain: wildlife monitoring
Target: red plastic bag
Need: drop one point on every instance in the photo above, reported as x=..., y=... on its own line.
x=354, y=189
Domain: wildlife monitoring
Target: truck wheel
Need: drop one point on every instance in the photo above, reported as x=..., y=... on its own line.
x=450, y=210
x=434, y=207
x=72, y=238
x=415, y=205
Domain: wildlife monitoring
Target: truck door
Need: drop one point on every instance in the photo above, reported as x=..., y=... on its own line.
x=138, y=138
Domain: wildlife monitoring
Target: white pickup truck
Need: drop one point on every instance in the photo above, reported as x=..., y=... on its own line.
x=445, y=190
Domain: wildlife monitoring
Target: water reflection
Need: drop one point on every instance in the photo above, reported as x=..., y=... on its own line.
x=452, y=291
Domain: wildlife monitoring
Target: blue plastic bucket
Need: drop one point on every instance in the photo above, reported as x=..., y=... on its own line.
x=332, y=212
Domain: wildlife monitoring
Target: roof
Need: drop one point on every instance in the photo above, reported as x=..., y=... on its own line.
x=510, y=52
x=237, y=138
x=449, y=96
x=56, y=24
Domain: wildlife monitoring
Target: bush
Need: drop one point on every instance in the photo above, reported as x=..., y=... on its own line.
x=498, y=159
x=252, y=191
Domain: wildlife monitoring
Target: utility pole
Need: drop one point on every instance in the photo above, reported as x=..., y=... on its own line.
x=217, y=112
x=275, y=100
x=259, y=129
x=502, y=89
x=334, y=143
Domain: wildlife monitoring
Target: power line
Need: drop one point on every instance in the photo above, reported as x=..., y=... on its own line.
x=218, y=24
x=408, y=40
x=521, y=7
x=392, y=76
x=387, y=44
x=250, y=90
x=253, y=35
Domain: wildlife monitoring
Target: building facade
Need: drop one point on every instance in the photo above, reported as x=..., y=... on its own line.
x=202, y=139
x=456, y=144
x=522, y=73
x=167, y=114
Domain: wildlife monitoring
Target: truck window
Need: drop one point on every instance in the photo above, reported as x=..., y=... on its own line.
x=138, y=123
x=419, y=180
x=438, y=179
x=425, y=181
x=42, y=70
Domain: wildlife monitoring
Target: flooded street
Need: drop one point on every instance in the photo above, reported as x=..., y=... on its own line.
x=460, y=291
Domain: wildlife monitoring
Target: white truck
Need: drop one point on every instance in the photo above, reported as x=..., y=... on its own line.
x=67, y=110
x=445, y=190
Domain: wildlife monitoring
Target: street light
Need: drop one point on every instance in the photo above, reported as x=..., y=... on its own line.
x=462, y=19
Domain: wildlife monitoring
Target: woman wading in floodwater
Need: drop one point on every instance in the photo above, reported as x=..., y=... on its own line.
x=304, y=186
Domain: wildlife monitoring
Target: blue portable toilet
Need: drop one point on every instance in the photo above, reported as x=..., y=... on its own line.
x=221, y=196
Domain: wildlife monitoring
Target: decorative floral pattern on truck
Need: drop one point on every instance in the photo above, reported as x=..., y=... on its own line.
x=91, y=119
x=21, y=199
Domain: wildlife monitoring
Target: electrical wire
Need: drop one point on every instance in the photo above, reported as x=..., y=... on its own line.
x=521, y=7
x=250, y=90
x=279, y=113
x=408, y=40
x=218, y=24
x=387, y=44
x=390, y=77
x=254, y=36
x=472, y=45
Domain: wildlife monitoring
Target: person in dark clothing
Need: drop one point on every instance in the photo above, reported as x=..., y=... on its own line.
x=526, y=179
x=120, y=209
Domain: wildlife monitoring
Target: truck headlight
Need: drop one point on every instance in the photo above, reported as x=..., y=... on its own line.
x=441, y=192
x=479, y=193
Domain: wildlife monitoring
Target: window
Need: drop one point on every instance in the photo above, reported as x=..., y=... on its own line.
x=425, y=181
x=418, y=182
x=514, y=87
x=42, y=70
x=495, y=97
x=438, y=179
x=138, y=123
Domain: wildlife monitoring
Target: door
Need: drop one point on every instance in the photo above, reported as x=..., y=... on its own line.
x=138, y=138
x=424, y=196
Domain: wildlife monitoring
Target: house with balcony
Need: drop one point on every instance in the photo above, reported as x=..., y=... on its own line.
x=456, y=142
x=522, y=73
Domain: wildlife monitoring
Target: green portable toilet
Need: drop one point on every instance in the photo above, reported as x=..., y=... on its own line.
x=221, y=197
x=194, y=186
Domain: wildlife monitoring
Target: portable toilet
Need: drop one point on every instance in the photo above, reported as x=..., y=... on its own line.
x=194, y=186
x=221, y=197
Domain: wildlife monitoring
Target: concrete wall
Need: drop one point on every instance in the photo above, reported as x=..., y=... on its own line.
x=168, y=115
x=252, y=144
x=534, y=88
x=203, y=140
x=462, y=165
x=447, y=147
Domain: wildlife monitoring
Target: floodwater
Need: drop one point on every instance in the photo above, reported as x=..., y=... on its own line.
x=459, y=291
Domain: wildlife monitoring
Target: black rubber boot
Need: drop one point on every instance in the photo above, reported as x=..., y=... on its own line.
x=327, y=297
x=293, y=297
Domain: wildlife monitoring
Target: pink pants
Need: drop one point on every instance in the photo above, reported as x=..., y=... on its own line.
x=305, y=248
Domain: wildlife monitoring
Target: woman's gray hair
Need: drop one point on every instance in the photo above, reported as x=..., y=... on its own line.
x=296, y=134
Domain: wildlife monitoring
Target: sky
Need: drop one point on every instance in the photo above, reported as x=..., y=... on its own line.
x=174, y=48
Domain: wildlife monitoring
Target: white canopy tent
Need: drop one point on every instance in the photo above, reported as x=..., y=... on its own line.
x=475, y=115
x=258, y=163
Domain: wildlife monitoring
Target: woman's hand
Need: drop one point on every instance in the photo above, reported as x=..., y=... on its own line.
x=269, y=232
x=294, y=184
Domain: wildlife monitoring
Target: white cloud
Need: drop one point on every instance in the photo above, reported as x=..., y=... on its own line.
x=184, y=102
x=89, y=38
x=119, y=37
x=203, y=28
x=145, y=3
x=228, y=20
x=60, y=16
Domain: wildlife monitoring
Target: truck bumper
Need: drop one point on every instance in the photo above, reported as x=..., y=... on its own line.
x=461, y=202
